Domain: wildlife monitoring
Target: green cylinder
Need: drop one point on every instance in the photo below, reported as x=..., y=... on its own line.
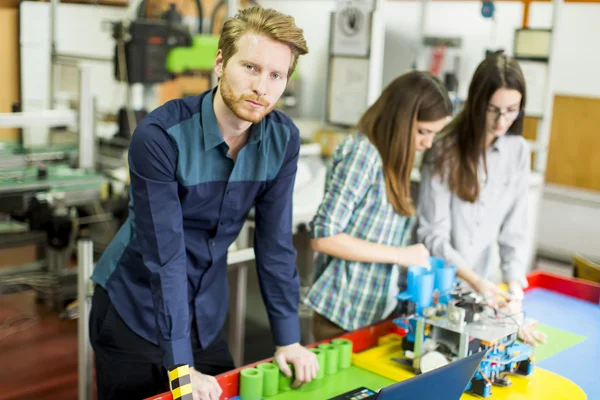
x=271, y=378
x=345, y=352
x=312, y=385
x=331, y=358
x=251, y=384
x=320, y=353
x=285, y=382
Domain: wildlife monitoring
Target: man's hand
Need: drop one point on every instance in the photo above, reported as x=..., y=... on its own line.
x=304, y=361
x=204, y=387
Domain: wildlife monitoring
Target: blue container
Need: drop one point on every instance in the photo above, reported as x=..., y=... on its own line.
x=412, y=282
x=444, y=278
x=436, y=262
x=424, y=290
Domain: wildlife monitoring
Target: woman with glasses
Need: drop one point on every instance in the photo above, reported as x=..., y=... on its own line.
x=474, y=185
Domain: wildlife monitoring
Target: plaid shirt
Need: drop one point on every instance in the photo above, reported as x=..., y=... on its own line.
x=355, y=294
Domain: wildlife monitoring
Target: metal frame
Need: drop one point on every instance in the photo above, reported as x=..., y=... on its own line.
x=85, y=265
x=49, y=118
x=84, y=118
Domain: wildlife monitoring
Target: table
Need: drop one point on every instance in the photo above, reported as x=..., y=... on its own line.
x=561, y=304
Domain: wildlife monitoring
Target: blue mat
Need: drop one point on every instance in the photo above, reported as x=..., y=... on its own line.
x=581, y=362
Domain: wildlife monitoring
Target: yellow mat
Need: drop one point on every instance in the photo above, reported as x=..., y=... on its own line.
x=541, y=384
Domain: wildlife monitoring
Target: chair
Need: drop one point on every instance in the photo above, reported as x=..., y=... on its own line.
x=584, y=268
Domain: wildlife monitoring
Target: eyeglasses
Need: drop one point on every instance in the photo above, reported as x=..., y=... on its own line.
x=510, y=115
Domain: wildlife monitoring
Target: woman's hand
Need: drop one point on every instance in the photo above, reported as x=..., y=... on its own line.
x=415, y=255
x=494, y=297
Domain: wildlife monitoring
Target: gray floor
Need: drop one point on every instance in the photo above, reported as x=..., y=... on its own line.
x=259, y=342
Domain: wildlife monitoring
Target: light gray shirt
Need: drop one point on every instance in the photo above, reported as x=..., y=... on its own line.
x=465, y=233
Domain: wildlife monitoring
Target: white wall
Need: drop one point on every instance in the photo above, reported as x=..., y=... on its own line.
x=566, y=214
x=577, y=72
x=402, y=18
x=81, y=30
x=314, y=17
x=452, y=19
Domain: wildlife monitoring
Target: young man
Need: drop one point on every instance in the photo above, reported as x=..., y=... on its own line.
x=197, y=167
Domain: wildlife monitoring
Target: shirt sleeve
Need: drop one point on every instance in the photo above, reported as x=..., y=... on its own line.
x=349, y=180
x=434, y=216
x=274, y=248
x=159, y=228
x=512, y=241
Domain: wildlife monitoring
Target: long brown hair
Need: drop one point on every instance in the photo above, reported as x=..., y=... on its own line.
x=463, y=142
x=389, y=125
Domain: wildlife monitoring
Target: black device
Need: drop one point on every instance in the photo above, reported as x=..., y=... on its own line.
x=143, y=45
x=356, y=394
x=447, y=382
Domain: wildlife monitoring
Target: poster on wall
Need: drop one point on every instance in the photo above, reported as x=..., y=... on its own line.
x=349, y=82
x=536, y=78
x=351, y=29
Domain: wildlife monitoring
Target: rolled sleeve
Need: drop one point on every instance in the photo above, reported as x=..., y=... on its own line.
x=512, y=241
x=159, y=228
x=349, y=179
x=434, y=217
x=274, y=248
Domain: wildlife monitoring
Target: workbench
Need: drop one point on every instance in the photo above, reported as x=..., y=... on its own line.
x=567, y=309
x=18, y=185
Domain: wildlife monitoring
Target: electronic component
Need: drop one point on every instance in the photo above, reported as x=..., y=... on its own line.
x=450, y=323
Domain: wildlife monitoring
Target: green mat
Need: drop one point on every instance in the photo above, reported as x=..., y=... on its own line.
x=334, y=385
x=558, y=340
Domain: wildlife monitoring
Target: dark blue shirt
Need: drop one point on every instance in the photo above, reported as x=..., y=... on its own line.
x=167, y=265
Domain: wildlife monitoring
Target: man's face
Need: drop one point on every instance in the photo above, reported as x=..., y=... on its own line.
x=255, y=77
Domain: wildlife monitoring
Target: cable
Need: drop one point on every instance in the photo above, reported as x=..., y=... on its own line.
x=10, y=327
x=40, y=282
x=200, y=16
x=213, y=15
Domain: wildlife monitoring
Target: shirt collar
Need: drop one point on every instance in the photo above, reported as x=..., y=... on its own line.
x=210, y=127
x=497, y=144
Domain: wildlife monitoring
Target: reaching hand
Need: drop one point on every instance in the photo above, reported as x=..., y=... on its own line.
x=515, y=305
x=532, y=336
x=304, y=361
x=204, y=387
x=494, y=297
x=415, y=255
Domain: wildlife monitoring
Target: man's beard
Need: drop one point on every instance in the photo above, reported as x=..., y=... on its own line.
x=237, y=106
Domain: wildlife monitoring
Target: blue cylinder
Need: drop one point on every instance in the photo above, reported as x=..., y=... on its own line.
x=412, y=281
x=436, y=262
x=444, y=279
x=424, y=296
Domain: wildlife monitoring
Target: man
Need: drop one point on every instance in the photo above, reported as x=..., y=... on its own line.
x=197, y=167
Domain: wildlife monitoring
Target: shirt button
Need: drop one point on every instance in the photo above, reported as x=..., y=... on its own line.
x=212, y=242
x=229, y=192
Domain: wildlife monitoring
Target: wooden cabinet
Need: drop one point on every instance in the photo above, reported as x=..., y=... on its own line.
x=9, y=63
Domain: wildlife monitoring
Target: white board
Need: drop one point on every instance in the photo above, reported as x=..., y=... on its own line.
x=349, y=82
x=536, y=79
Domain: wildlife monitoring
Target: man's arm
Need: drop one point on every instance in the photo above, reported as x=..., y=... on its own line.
x=274, y=249
x=159, y=227
x=276, y=264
